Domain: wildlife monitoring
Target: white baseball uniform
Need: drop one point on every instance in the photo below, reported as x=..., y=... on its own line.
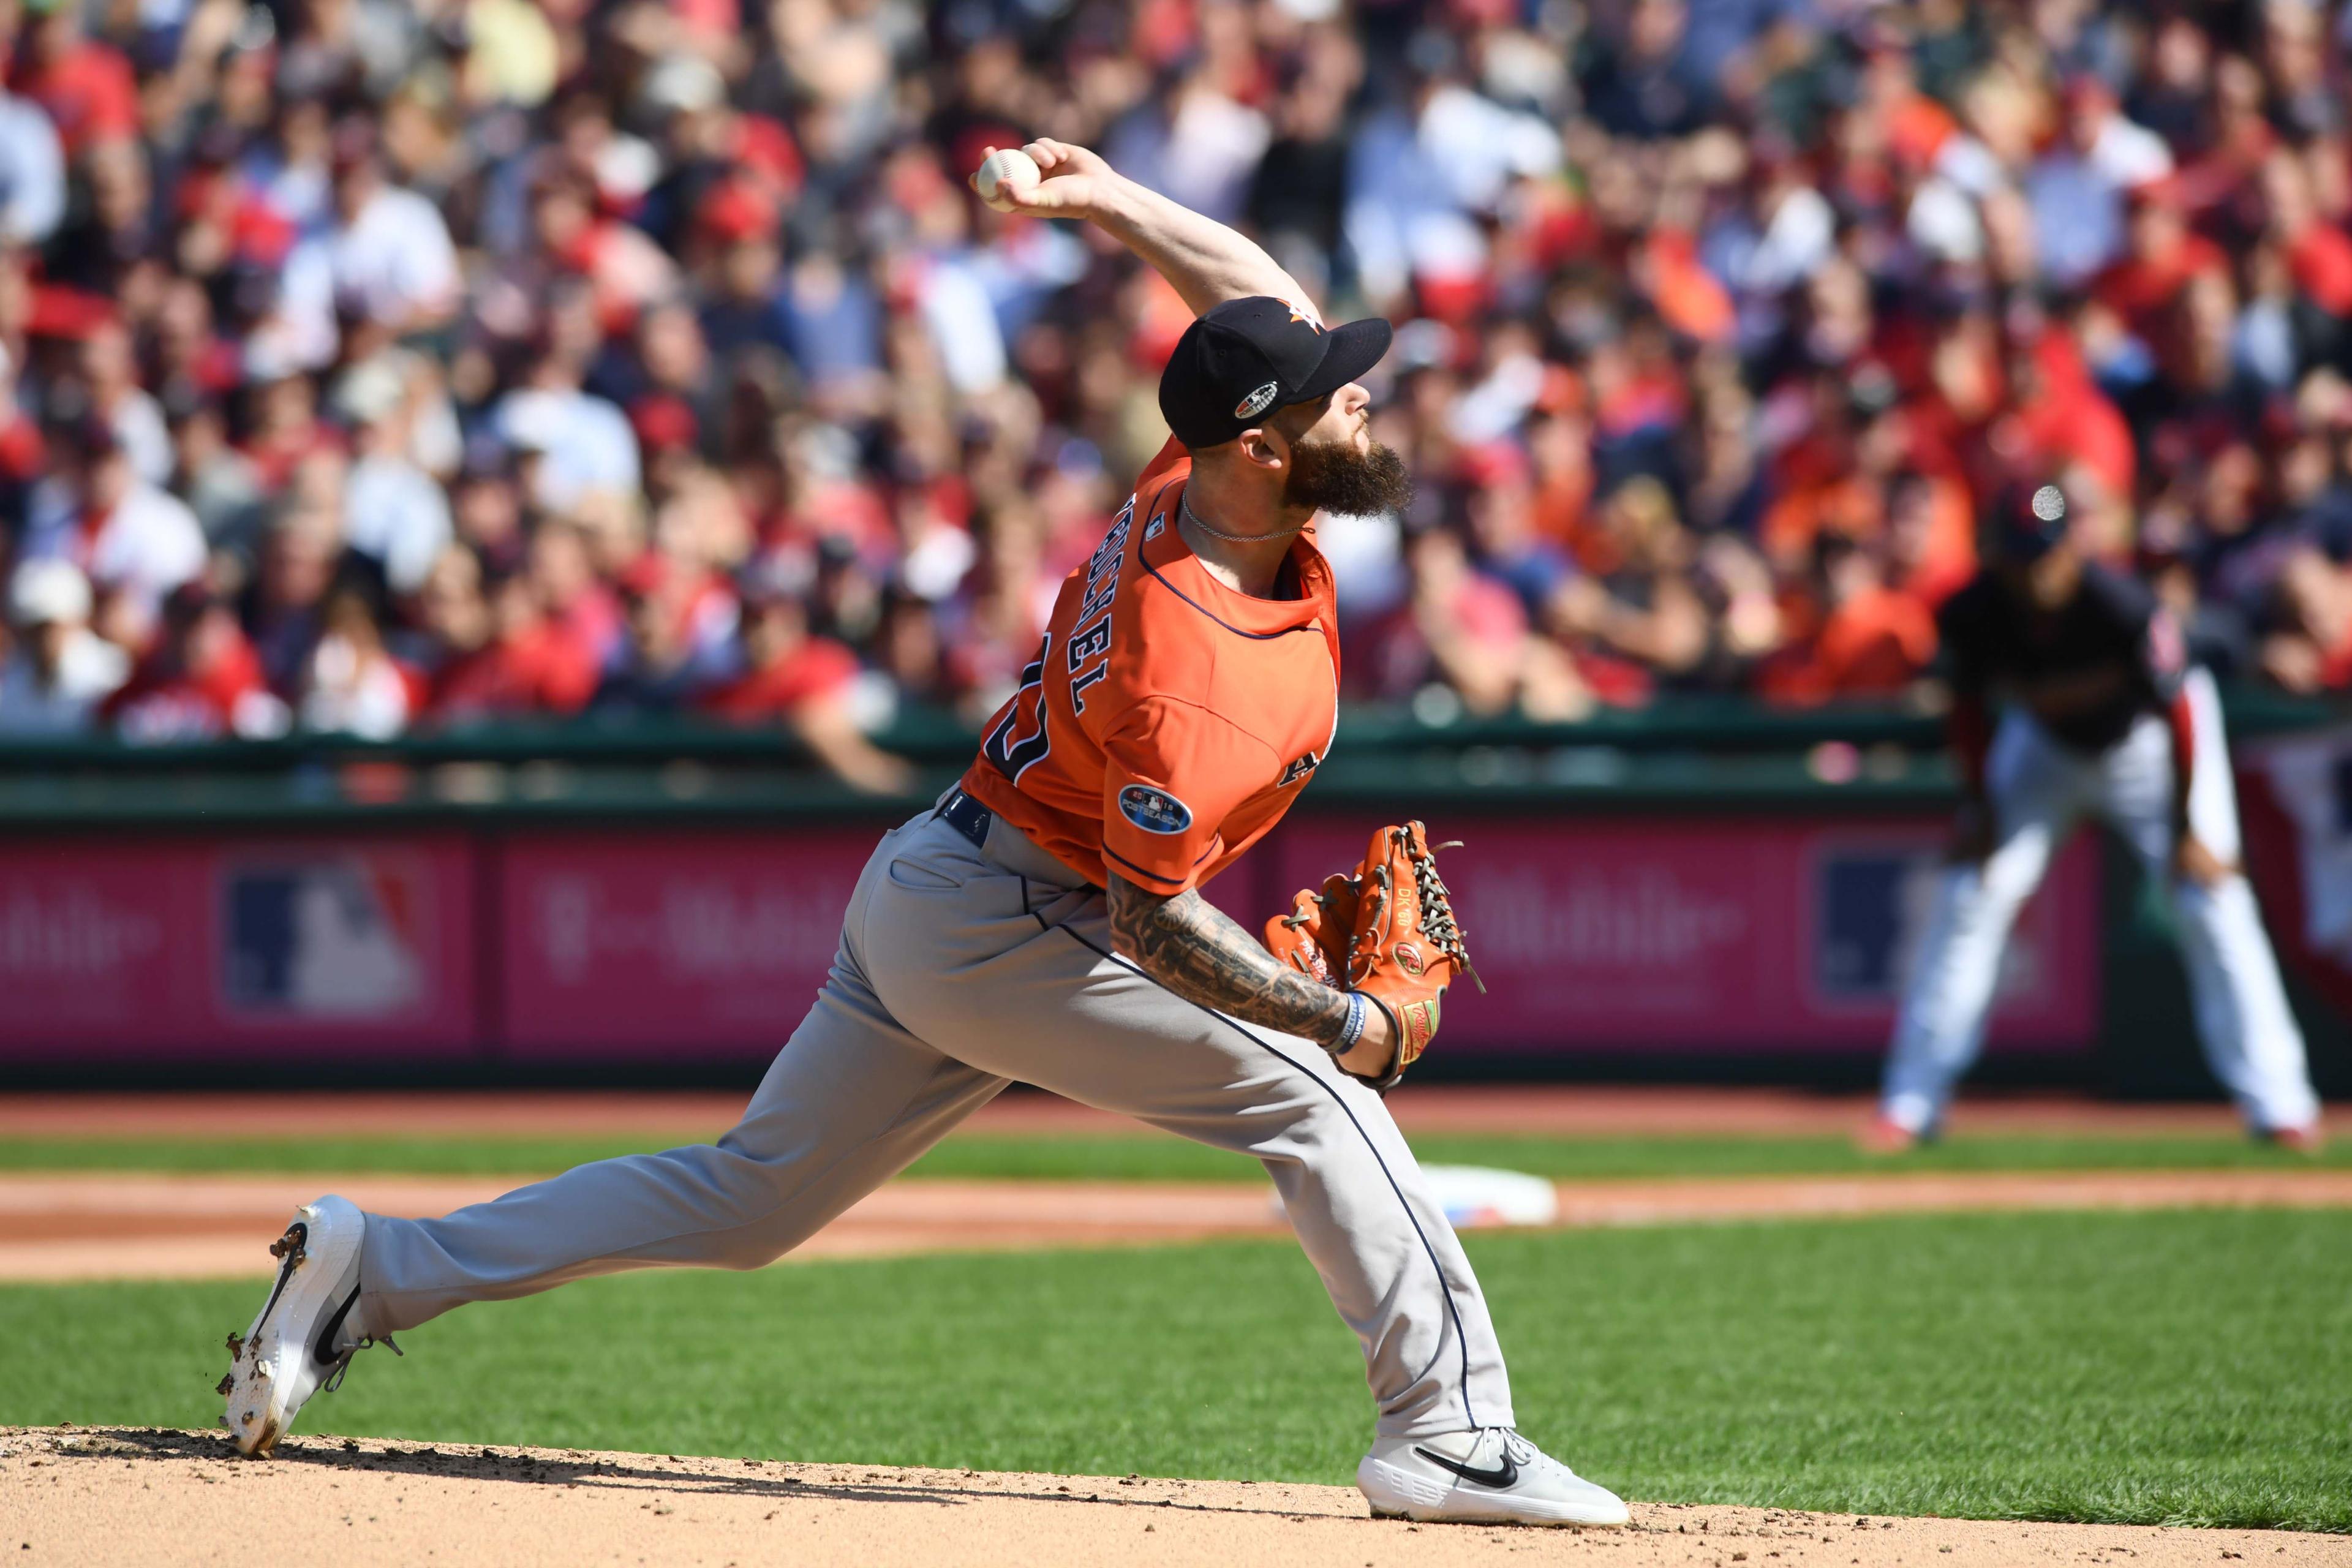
x=2040, y=784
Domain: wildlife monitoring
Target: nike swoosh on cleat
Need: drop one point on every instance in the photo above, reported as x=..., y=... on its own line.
x=322, y=1349
x=1506, y=1475
x=285, y=1272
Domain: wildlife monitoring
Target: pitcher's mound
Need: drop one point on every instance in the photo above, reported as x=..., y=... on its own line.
x=117, y=1496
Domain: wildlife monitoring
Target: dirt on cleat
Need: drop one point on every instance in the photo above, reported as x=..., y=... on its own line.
x=235, y=1346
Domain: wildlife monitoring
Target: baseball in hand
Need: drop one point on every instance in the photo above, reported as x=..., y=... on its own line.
x=1006, y=171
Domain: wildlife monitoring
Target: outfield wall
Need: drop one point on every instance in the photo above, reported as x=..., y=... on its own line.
x=645, y=947
x=627, y=905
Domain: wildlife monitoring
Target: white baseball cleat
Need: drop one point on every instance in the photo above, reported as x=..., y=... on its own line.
x=300, y=1342
x=1487, y=1475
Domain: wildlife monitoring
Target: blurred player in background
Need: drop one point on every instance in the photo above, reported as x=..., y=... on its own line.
x=2100, y=716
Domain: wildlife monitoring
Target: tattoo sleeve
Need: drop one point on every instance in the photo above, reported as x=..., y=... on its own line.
x=1202, y=954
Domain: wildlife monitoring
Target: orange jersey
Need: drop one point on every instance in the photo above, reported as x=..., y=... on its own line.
x=1168, y=721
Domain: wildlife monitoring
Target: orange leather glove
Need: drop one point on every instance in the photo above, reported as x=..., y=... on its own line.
x=1387, y=930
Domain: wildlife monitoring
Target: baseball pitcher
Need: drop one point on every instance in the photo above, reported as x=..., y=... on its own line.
x=2102, y=716
x=1045, y=923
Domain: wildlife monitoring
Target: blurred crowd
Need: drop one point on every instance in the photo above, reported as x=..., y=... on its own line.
x=380, y=363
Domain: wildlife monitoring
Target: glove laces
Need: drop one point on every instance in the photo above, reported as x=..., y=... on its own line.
x=1437, y=921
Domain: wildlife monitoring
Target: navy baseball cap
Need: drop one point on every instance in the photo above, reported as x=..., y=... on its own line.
x=1248, y=357
x=2033, y=520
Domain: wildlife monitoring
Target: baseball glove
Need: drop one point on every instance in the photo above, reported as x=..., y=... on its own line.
x=1313, y=937
x=1387, y=930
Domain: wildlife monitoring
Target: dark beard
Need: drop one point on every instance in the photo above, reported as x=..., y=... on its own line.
x=1332, y=476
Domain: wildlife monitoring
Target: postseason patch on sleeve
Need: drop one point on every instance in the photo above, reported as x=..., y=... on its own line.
x=1154, y=810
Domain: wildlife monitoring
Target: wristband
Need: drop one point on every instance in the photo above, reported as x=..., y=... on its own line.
x=1353, y=1029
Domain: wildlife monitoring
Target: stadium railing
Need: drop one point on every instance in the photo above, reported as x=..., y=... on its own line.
x=1684, y=754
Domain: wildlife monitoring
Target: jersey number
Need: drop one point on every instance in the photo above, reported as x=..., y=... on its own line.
x=1020, y=738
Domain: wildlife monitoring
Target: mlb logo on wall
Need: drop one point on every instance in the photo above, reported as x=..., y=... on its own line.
x=1864, y=921
x=1871, y=908
x=338, y=935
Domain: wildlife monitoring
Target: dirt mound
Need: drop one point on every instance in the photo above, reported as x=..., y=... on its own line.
x=132, y=1497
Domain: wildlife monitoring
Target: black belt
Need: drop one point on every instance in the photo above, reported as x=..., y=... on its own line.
x=967, y=817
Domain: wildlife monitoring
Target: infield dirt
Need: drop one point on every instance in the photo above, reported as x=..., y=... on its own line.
x=136, y=1497
x=72, y=1225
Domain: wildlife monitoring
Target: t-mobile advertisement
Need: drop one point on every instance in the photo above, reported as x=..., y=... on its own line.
x=1718, y=936
x=669, y=946
x=259, y=950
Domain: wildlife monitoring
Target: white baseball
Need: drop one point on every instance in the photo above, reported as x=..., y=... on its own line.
x=1006, y=169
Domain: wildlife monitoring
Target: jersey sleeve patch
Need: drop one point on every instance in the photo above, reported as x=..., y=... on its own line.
x=1172, y=774
x=1154, y=810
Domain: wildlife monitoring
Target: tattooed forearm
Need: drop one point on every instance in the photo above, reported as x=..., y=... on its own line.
x=1199, y=953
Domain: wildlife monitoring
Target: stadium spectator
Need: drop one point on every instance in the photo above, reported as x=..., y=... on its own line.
x=1642, y=616
x=32, y=172
x=504, y=656
x=201, y=679
x=84, y=85
x=58, y=672
x=667, y=659
x=806, y=681
x=395, y=512
x=135, y=541
x=2311, y=649
x=352, y=685
x=458, y=372
x=1463, y=641
x=1866, y=638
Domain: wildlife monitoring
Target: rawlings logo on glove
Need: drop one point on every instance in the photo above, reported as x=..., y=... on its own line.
x=1386, y=930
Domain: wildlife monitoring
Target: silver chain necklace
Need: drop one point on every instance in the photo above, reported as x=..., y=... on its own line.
x=1184, y=506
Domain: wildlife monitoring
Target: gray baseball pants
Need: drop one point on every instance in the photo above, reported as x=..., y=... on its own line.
x=2039, y=789
x=963, y=969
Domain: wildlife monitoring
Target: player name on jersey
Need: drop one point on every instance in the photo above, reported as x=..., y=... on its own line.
x=1168, y=721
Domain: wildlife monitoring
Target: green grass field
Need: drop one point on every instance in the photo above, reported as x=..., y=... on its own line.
x=1148, y=1155
x=2182, y=1368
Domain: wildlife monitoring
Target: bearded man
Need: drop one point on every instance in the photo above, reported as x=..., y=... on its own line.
x=1044, y=923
